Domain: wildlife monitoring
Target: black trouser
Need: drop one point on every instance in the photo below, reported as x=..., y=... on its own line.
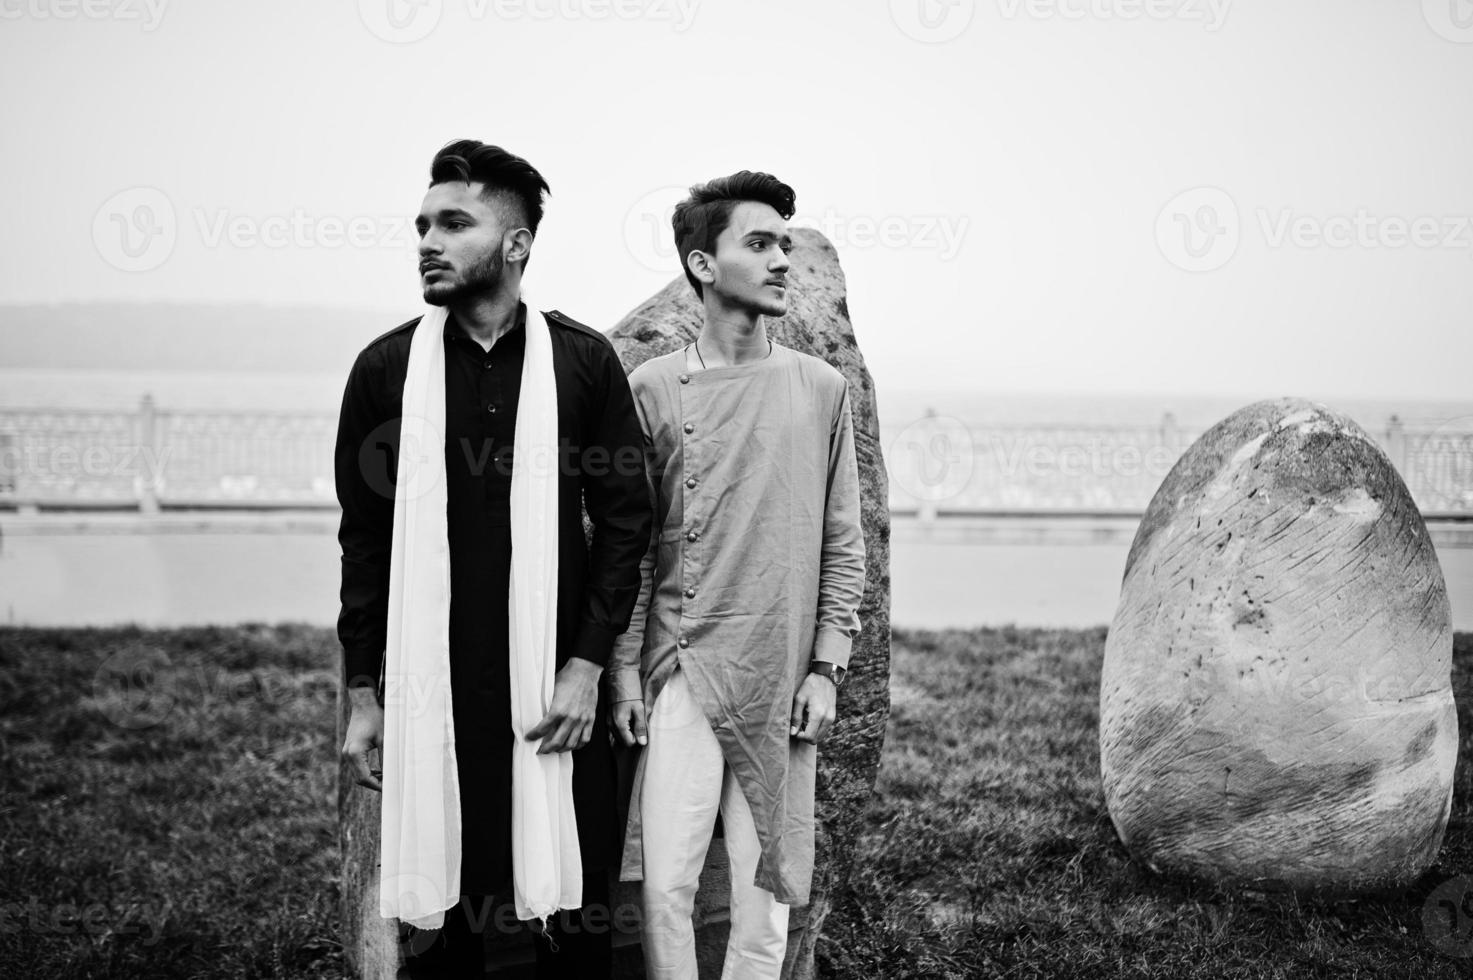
x=570, y=949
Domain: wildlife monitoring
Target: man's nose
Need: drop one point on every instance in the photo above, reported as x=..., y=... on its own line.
x=779, y=261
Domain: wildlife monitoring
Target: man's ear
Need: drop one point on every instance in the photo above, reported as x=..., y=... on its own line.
x=701, y=266
x=517, y=245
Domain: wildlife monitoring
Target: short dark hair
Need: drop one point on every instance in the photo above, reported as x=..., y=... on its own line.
x=506, y=176
x=701, y=218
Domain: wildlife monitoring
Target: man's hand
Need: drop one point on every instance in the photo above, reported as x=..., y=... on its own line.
x=813, y=708
x=365, y=733
x=627, y=719
x=569, y=721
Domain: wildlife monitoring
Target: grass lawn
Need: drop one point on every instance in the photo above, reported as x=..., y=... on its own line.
x=167, y=810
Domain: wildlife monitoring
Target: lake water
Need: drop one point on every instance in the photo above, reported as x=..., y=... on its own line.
x=244, y=575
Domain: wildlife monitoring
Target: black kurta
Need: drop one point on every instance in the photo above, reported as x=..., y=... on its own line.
x=601, y=467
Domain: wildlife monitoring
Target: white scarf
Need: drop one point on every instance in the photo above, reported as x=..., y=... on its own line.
x=420, y=856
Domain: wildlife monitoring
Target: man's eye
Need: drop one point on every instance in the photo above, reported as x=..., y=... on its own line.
x=788, y=249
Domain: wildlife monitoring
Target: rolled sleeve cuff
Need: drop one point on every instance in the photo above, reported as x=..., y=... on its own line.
x=624, y=685
x=594, y=642
x=833, y=647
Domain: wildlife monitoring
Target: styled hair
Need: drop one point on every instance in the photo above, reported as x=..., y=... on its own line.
x=507, y=176
x=701, y=218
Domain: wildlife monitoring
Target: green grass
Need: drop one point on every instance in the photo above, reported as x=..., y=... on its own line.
x=988, y=852
x=178, y=787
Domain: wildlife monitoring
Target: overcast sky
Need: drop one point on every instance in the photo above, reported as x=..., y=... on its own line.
x=1206, y=196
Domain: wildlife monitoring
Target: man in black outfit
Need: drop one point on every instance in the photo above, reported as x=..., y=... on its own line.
x=476, y=229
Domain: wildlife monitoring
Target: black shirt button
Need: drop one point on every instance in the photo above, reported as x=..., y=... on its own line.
x=491, y=409
x=488, y=365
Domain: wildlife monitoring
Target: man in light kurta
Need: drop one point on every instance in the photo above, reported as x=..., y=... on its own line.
x=750, y=592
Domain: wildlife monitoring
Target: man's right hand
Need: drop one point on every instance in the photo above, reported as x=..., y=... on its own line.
x=365, y=733
x=627, y=718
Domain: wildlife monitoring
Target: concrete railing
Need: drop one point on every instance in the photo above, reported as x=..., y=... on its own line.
x=152, y=459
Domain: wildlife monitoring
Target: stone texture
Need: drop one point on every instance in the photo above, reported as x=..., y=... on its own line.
x=817, y=323
x=1276, y=708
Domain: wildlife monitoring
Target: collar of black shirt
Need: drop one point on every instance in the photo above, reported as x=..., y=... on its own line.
x=454, y=334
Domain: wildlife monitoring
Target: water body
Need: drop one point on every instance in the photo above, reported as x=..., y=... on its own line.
x=240, y=575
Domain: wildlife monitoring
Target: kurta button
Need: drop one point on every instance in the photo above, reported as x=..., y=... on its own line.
x=491, y=409
x=690, y=484
x=685, y=379
x=488, y=365
x=690, y=593
x=683, y=643
x=691, y=536
x=689, y=428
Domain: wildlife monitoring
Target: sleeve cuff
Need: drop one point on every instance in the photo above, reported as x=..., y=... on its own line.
x=832, y=647
x=594, y=642
x=624, y=685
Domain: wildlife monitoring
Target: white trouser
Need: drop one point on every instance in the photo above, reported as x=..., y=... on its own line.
x=685, y=781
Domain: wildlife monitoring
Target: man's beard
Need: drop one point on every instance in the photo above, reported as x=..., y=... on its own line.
x=482, y=277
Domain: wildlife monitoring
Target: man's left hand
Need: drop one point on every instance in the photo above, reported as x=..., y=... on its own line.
x=569, y=721
x=813, y=709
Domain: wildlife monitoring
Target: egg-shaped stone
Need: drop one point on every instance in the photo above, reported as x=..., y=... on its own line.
x=1276, y=706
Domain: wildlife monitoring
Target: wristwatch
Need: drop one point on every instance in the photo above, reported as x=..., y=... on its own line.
x=833, y=672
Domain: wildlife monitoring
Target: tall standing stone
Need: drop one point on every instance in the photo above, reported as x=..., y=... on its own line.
x=817, y=323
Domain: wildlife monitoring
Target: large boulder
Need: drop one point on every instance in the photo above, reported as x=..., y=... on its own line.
x=1276, y=708
x=817, y=323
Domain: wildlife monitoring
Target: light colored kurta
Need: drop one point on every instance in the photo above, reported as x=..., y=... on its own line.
x=756, y=568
